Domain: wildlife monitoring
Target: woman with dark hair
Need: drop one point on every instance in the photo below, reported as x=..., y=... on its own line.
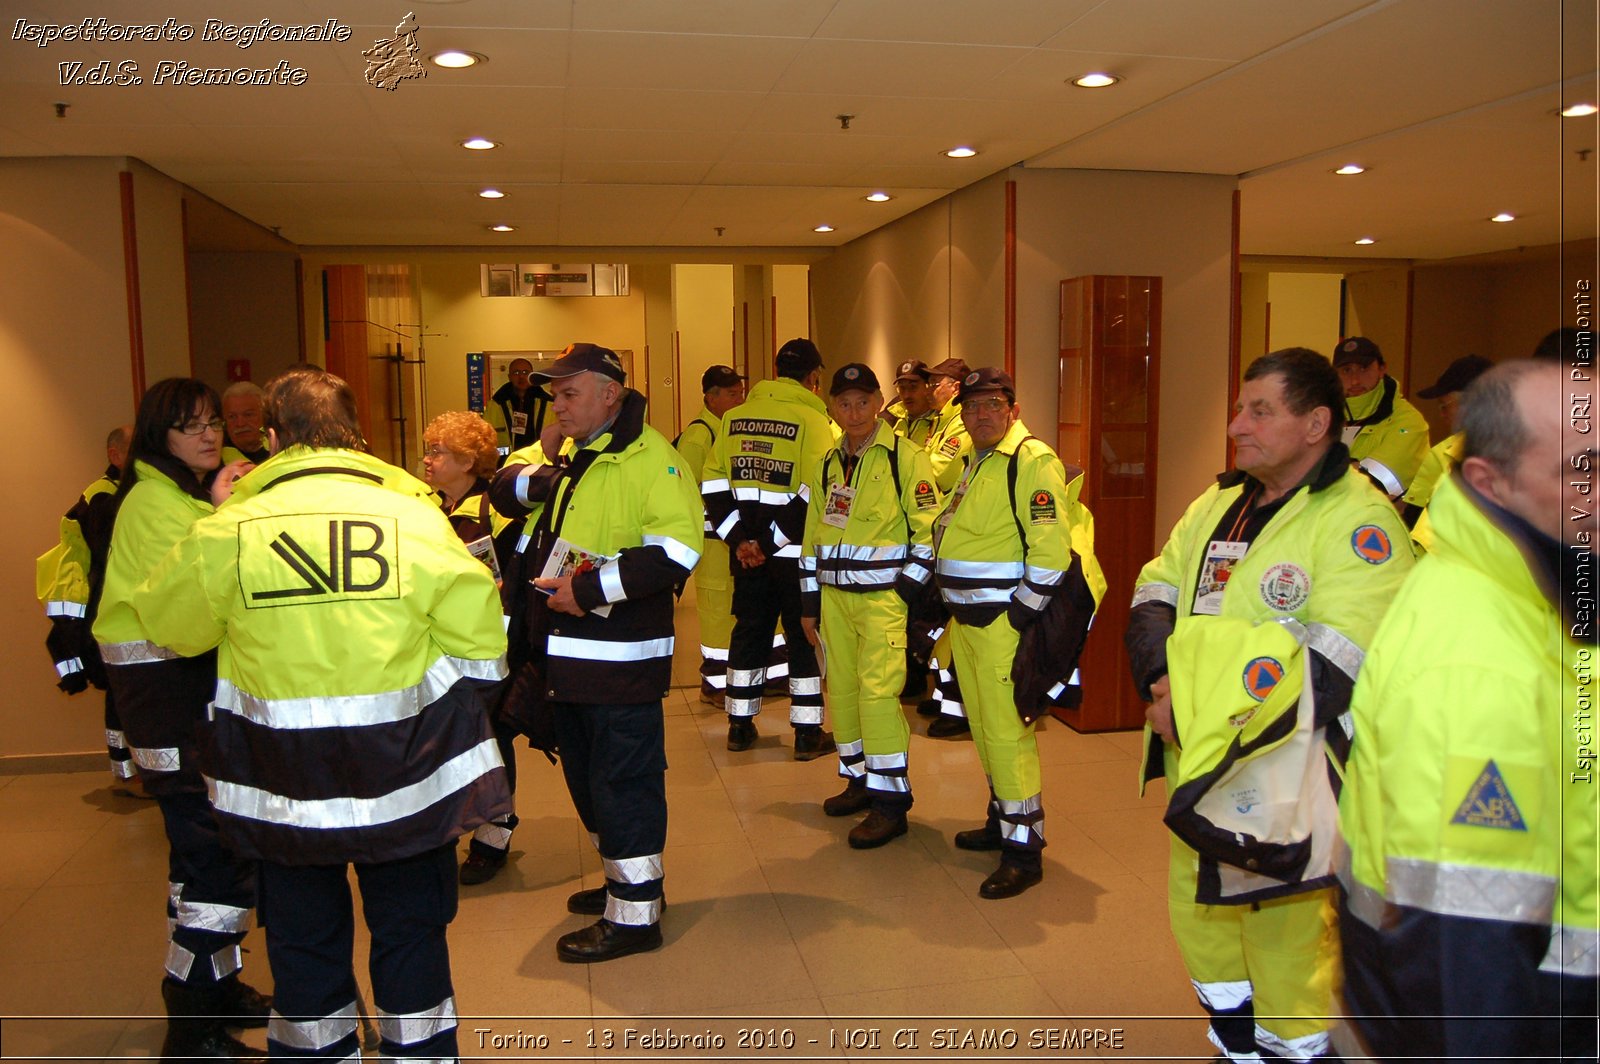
x=172, y=480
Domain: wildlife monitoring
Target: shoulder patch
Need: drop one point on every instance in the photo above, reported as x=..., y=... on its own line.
x=1261, y=675
x=951, y=445
x=1042, y=508
x=1371, y=544
x=1489, y=804
x=926, y=497
x=1285, y=587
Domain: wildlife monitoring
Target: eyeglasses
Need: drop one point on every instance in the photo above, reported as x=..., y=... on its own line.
x=436, y=453
x=986, y=406
x=197, y=428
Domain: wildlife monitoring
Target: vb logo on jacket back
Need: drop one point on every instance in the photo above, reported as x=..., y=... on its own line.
x=302, y=559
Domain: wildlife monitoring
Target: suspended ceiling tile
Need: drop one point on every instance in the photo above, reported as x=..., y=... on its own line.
x=852, y=68
x=1216, y=29
x=768, y=18
x=1016, y=23
x=661, y=109
x=644, y=61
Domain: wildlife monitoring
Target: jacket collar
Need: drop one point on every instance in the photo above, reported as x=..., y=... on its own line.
x=626, y=430
x=787, y=390
x=1475, y=531
x=300, y=461
x=1372, y=407
x=174, y=472
x=1322, y=476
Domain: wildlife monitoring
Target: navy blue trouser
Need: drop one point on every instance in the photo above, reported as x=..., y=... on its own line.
x=211, y=892
x=310, y=927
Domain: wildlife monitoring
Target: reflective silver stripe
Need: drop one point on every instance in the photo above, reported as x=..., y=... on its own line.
x=712, y=487
x=1022, y=808
x=565, y=646
x=123, y=770
x=1017, y=833
x=805, y=714
x=1055, y=692
x=1384, y=476
x=886, y=761
x=355, y=711
x=213, y=916
x=1220, y=997
x=921, y=552
x=1031, y=599
x=312, y=1034
x=852, y=749
x=594, y=840
x=805, y=685
x=879, y=782
x=877, y=578
x=1011, y=571
x=611, y=582
x=253, y=803
x=226, y=961
x=409, y=1028
x=523, y=481
x=727, y=525
x=159, y=759
x=978, y=596
x=523, y=541
x=116, y=740
x=1155, y=593
x=744, y=707
x=63, y=608
x=174, y=895
x=634, y=869
x=1038, y=574
x=633, y=913
x=717, y=682
x=937, y=633
x=1573, y=951
x=1336, y=647
x=780, y=671
x=68, y=667
x=849, y=552
x=778, y=640
x=791, y=551
x=138, y=652
x=713, y=653
x=681, y=553
x=853, y=769
x=1306, y=1047
x=495, y=836
x=179, y=961
x=750, y=493
x=747, y=677
x=808, y=585
x=1471, y=890
x=916, y=571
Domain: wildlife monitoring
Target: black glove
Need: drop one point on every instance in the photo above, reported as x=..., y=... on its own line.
x=70, y=645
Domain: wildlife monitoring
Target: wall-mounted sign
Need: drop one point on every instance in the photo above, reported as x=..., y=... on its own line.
x=553, y=279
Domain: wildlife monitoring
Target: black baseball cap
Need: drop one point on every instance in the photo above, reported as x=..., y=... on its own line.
x=585, y=358
x=914, y=370
x=953, y=368
x=719, y=377
x=1456, y=376
x=798, y=357
x=856, y=377
x=1357, y=350
x=986, y=379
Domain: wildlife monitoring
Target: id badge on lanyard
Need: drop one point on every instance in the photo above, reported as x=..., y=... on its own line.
x=1221, y=557
x=519, y=423
x=836, y=511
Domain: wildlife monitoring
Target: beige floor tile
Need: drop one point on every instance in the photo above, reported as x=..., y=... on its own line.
x=713, y=957
x=828, y=867
x=1130, y=742
x=90, y=1039
x=1070, y=920
x=1136, y=838
x=32, y=857
x=124, y=850
x=1060, y=745
x=530, y=893
x=925, y=1006
x=516, y=973
x=788, y=809
x=724, y=875
x=900, y=941
x=79, y=923
x=11, y=900
x=696, y=817
x=689, y=766
x=1103, y=785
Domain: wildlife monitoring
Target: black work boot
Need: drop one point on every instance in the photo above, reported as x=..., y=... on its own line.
x=948, y=726
x=984, y=838
x=1019, y=869
x=811, y=742
x=879, y=827
x=604, y=941
x=741, y=733
x=194, y=1028
x=242, y=1005
x=852, y=799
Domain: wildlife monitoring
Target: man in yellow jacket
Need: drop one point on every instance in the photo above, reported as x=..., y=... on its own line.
x=1469, y=922
x=1293, y=537
x=868, y=552
x=1003, y=552
x=1386, y=435
x=356, y=639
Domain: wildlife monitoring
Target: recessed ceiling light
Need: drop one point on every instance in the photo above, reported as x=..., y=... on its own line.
x=823, y=229
x=479, y=143
x=1504, y=217
x=878, y=197
x=1578, y=110
x=492, y=193
x=1366, y=240
x=456, y=59
x=1095, y=80
x=1351, y=168
x=502, y=228
x=962, y=152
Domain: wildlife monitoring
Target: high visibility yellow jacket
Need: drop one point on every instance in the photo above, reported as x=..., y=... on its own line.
x=1470, y=805
x=1442, y=458
x=68, y=578
x=1387, y=436
x=695, y=443
x=356, y=639
x=919, y=429
x=948, y=446
x=755, y=482
x=627, y=496
x=886, y=535
x=160, y=696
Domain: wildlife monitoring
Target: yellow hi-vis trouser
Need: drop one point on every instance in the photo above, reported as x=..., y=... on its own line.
x=946, y=688
x=713, y=592
x=864, y=637
x=1006, y=746
x=1267, y=973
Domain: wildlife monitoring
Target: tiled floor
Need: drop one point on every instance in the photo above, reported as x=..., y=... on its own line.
x=770, y=914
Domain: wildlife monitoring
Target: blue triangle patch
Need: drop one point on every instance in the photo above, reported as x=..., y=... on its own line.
x=1489, y=804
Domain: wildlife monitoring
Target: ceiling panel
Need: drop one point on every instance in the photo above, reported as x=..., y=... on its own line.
x=1016, y=23
x=1217, y=29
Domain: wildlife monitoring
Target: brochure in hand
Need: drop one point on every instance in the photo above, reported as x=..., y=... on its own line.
x=569, y=559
